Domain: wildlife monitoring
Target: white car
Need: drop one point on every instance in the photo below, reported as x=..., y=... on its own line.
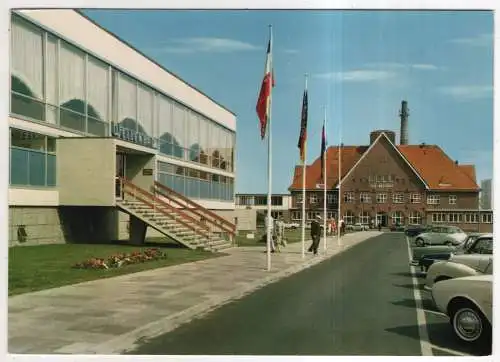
x=459, y=266
x=360, y=227
x=468, y=303
x=441, y=235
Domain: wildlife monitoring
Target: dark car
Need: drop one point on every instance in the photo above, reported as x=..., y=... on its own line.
x=397, y=227
x=414, y=230
x=474, y=244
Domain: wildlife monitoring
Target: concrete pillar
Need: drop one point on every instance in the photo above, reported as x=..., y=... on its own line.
x=137, y=230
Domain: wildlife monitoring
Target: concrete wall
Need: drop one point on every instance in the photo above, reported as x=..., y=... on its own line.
x=136, y=164
x=247, y=218
x=86, y=171
x=72, y=26
x=42, y=225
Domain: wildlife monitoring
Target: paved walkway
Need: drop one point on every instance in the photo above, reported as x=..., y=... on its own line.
x=109, y=316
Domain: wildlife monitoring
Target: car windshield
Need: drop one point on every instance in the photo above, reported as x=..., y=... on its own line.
x=466, y=244
x=483, y=246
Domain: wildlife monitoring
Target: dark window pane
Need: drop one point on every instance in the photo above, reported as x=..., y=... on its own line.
x=37, y=168
x=18, y=167
x=72, y=120
x=27, y=107
x=51, y=170
x=165, y=147
x=96, y=127
x=25, y=139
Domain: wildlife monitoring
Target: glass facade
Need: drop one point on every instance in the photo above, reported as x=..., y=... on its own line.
x=54, y=82
x=194, y=183
x=32, y=159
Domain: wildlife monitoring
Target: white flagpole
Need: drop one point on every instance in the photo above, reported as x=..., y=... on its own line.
x=324, y=183
x=269, y=155
x=339, y=183
x=304, y=188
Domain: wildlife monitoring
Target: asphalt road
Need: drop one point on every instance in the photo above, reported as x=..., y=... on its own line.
x=360, y=302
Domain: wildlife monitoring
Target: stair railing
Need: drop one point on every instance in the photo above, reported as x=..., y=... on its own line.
x=161, y=206
x=217, y=223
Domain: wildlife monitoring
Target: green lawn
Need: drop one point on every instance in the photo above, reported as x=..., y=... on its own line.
x=40, y=267
x=292, y=236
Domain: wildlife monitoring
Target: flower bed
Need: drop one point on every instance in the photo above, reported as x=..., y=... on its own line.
x=119, y=260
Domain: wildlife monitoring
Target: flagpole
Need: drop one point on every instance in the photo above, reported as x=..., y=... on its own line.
x=269, y=160
x=304, y=193
x=324, y=182
x=339, y=183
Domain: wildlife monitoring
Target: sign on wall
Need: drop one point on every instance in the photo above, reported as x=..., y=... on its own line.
x=129, y=135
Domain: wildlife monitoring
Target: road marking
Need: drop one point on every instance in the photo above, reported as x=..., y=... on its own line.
x=425, y=345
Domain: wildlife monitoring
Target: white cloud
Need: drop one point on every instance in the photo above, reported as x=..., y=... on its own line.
x=424, y=66
x=207, y=45
x=468, y=92
x=360, y=75
x=480, y=40
x=393, y=65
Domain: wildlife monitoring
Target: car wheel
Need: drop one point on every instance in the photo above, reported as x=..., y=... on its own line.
x=419, y=242
x=469, y=324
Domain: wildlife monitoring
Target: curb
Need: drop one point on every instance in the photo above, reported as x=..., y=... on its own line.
x=129, y=341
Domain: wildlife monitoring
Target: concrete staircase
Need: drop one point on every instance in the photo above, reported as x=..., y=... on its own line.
x=170, y=221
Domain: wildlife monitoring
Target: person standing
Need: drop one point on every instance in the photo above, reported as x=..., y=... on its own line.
x=270, y=229
x=315, y=235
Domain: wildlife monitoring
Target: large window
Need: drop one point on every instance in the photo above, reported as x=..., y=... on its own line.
x=365, y=198
x=364, y=218
x=415, y=218
x=196, y=184
x=397, y=218
x=398, y=198
x=381, y=198
x=32, y=159
x=349, y=197
x=432, y=199
x=438, y=217
x=349, y=217
x=454, y=217
x=415, y=198
x=55, y=82
x=471, y=217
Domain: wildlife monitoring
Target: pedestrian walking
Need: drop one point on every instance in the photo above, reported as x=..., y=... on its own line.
x=342, y=226
x=315, y=235
x=270, y=228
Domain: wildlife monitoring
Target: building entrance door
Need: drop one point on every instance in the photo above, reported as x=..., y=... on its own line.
x=382, y=219
x=121, y=164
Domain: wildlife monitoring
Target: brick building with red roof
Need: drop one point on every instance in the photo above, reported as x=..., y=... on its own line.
x=392, y=184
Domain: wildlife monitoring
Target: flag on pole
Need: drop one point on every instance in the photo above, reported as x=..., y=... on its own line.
x=323, y=147
x=303, y=128
x=263, y=103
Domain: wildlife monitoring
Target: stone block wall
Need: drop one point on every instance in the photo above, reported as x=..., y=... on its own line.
x=42, y=226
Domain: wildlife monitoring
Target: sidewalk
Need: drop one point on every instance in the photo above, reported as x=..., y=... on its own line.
x=110, y=316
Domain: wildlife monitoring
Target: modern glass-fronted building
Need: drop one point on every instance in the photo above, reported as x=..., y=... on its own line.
x=71, y=78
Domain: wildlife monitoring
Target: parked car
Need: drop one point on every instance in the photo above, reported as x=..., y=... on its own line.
x=441, y=235
x=293, y=225
x=414, y=230
x=426, y=255
x=459, y=266
x=397, y=227
x=360, y=227
x=468, y=303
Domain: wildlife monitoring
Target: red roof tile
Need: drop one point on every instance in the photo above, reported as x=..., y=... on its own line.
x=349, y=156
x=431, y=163
x=438, y=170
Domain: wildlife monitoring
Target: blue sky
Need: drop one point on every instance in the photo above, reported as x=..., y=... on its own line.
x=361, y=64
